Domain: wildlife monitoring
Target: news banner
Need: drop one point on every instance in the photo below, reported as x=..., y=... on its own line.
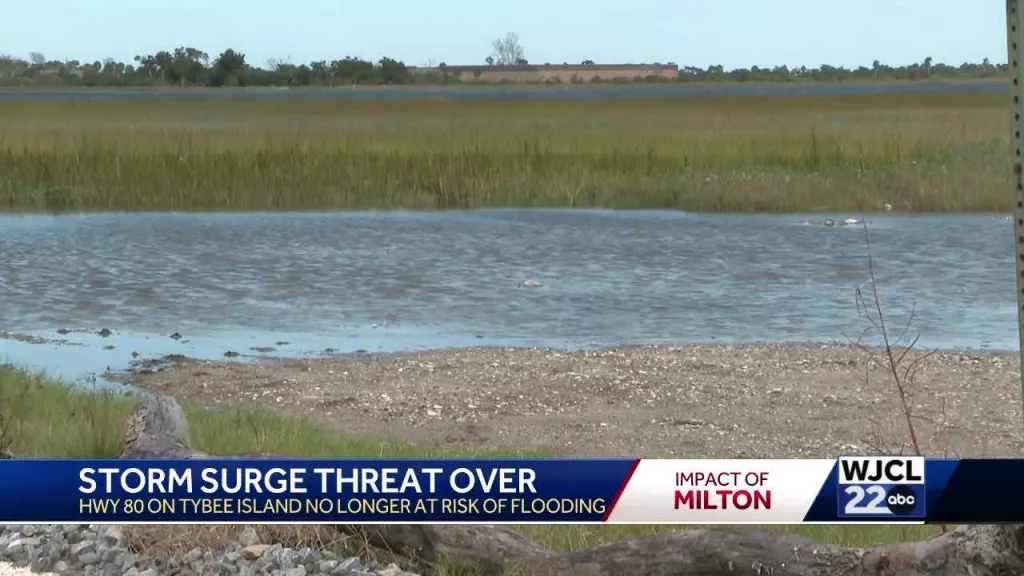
x=852, y=489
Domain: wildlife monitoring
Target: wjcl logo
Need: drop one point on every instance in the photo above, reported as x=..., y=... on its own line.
x=881, y=486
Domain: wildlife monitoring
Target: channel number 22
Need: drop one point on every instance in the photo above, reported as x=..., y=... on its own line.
x=874, y=506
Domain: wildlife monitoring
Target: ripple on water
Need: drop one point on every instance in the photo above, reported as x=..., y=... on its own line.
x=406, y=280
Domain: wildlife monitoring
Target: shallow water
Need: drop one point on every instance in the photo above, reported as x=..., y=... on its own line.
x=303, y=282
x=530, y=92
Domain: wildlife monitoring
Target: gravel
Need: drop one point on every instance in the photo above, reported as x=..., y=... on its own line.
x=103, y=550
x=702, y=401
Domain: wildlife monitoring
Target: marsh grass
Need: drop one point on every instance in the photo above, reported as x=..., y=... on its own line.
x=918, y=152
x=44, y=418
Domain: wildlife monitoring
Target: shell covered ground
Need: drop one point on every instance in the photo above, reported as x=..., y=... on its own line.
x=713, y=401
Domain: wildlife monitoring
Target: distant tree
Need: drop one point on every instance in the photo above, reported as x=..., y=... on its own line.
x=391, y=71
x=228, y=68
x=588, y=63
x=507, y=50
x=321, y=72
x=37, y=59
x=352, y=70
x=490, y=60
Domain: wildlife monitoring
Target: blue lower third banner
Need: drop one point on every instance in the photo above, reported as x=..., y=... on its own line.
x=289, y=490
x=890, y=489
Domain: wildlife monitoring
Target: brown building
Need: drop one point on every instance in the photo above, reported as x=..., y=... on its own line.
x=569, y=73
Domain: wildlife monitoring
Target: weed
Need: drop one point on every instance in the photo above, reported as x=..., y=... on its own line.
x=924, y=152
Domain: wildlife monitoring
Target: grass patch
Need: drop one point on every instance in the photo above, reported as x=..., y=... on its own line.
x=918, y=152
x=43, y=418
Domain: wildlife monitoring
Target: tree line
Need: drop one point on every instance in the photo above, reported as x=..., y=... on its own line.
x=192, y=67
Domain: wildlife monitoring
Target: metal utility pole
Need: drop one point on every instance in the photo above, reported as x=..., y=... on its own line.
x=1014, y=40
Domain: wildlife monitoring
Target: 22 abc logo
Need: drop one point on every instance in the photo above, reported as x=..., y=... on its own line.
x=881, y=486
x=899, y=500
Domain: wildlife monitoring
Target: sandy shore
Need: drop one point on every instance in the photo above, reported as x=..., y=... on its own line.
x=716, y=401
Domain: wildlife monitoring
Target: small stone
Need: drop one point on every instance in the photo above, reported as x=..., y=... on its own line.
x=244, y=571
x=83, y=546
x=150, y=572
x=287, y=558
x=193, y=555
x=42, y=564
x=125, y=560
x=232, y=556
x=113, y=536
x=133, y=571
x=89, y=558
x=390, y=570
x=110, y=556
x=31, y=530
x=249, y=537
x=62, y=566
x=326, y=566
x=255, y=551
x=297, y=571
x=350, y=564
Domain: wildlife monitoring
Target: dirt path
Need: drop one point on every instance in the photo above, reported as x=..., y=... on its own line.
x=753, y=401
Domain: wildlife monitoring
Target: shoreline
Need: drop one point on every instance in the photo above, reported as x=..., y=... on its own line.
x=766, y=400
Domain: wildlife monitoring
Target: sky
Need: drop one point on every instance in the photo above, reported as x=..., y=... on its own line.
x=733, y=33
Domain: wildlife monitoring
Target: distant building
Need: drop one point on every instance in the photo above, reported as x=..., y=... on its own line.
x=568, y=73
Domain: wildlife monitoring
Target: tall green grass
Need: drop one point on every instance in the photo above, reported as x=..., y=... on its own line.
x=43, y=418
x=917, y=152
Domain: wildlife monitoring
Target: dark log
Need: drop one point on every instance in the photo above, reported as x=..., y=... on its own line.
x=158, y=429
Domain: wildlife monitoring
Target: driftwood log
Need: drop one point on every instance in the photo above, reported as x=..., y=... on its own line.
x=159, y=429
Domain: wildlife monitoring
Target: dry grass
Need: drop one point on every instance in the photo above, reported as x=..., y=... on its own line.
x=918, y=152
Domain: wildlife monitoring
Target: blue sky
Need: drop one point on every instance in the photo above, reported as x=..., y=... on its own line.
x=734, y=33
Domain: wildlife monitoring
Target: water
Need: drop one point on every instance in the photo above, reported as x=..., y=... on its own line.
x=303, y=282
x=530, y=92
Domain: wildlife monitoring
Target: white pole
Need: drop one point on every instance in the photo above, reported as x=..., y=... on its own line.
x=1014, y=40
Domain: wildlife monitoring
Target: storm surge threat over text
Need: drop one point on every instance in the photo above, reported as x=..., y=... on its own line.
x=287, y=480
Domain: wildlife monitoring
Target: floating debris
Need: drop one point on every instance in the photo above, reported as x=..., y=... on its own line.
x=532, y=284
x=105, y=332
x=175, y=336
x=231, y=354
x=262, y=349
x=848, y=222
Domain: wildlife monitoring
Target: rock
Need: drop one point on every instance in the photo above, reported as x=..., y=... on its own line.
x=89, y=558
x=249, y=537
x=32, y=530
x=111, y=556
x=82, y=547
x=42, y=564
x=390, y=570
x=351, y=564
x=131, y=572
x=255, y=551
x=297, y=571
x=112, y=536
